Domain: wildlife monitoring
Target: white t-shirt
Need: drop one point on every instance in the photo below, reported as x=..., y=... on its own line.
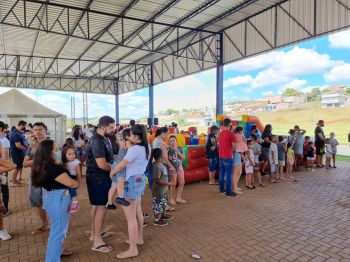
x=88, y=132
x=273, y=148
x=257, y=151
x=72, y=167
x=329, y=150
x=5, y=143
x=137, y=161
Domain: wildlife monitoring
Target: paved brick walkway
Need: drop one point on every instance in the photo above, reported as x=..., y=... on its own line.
x=304, y=221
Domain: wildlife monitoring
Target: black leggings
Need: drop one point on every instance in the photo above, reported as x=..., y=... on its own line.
x=5, y=195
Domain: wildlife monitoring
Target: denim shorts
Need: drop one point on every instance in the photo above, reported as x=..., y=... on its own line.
x=117, y=177
x=135, y=186
x=212, y=164
x=237, y=158
x=80, y=152
x=273, y=168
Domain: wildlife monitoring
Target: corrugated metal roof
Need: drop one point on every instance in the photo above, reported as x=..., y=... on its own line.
x=102, y=31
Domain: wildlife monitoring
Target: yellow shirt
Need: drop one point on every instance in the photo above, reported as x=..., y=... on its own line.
x=290, y=154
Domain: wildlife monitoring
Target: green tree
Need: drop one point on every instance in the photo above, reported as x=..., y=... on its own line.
x=171, y=111
x=314, y=95
x=291, y=92
x=347, y=90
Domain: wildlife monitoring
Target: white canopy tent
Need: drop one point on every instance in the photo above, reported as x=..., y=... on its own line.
x=17, y=106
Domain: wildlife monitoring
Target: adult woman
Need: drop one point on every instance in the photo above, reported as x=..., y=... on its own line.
x=240, y=148
x=79, y=144
x=55, y=181
x=265, y=146
x=135, y=162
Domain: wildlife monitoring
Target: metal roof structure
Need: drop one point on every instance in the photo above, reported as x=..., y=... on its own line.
x=89, y=45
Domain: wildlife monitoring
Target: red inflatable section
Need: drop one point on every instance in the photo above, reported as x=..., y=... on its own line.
x=197, y=162
x=198, y=165
x=196, y=152
x=196, y=175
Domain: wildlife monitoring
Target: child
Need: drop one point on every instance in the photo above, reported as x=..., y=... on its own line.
x=281, y=147
x=160, y=189
x=238, y=158
x=212, y=153
x=72, y=164
x=273, y=159
x=119, y=178
x=175, y=156
x=334, y=143
x=257, y=151
x=290, y=162
x=310, y=156
x=306, y=146
x=249, y=166
x=69, y=142
x=329, y=153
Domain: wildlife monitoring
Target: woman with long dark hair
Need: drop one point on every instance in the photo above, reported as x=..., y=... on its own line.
x=135, y=162
x=265, y=146
x=79, y=144
x=55, y=181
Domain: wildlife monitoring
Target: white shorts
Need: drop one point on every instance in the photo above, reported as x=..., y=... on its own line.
x=310, y=158
x=282, y=163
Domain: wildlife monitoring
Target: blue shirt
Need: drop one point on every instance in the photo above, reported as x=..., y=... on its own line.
x=16, y=137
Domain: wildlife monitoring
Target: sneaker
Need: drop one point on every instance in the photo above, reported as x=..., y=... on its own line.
x=167, y=217
x=74, y=206
x=145, y=215
x=122, y=201
x=6, y=212
x=144, y=224
x=112, y=206
x=232, y=194
x=4, y=235
x=160, y=223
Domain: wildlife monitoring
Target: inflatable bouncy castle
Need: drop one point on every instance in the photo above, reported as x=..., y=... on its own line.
x=196, y=164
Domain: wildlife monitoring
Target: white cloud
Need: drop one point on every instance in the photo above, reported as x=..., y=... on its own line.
x=268, y=93
x=255, y=62
x=238, y=80
x=340, y=40
x=297, y=84
x=338, y=73
x=183, y=84
x=294, y=63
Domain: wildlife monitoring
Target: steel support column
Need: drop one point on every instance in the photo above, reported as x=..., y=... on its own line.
x=116, y=95
x=151, y=97
x=220, y=78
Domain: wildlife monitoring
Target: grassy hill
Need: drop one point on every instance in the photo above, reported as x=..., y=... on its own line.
x=306, y=116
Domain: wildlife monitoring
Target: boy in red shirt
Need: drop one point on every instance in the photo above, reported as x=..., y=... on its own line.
x=226, y=148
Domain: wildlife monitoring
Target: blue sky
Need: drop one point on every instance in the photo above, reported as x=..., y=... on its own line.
x=317, y=63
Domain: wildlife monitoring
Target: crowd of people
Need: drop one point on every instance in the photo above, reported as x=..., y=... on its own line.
x=119, y=161
x=265, y=153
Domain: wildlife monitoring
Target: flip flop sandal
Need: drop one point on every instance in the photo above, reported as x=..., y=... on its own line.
x=103, y=235
x=100, y=248
x=66, y=253
x=171, y=209
x=40, y=231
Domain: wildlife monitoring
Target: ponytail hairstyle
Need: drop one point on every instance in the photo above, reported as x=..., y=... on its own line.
x=42, y=159
x=140, y=131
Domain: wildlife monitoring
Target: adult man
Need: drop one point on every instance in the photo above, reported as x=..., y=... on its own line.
x=99, y=157
x=4, y=154
x=226, y=148
x=35, y=193
x=320, y=141
x=17, y=150
x=298, y=146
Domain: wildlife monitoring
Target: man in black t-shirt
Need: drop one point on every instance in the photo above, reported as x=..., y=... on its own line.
x=99, y=157
x=320, y=141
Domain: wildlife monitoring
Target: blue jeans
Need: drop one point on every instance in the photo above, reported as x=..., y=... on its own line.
x=56, y=204
x=226, y=169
